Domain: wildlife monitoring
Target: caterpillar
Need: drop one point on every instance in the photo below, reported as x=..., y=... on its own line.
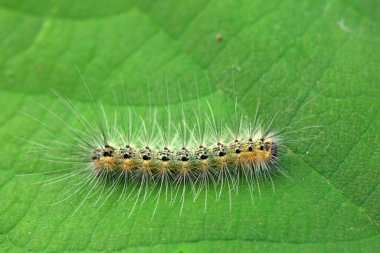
x=186, y=152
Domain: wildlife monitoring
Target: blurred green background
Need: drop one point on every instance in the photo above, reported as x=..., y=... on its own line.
x=330, y=48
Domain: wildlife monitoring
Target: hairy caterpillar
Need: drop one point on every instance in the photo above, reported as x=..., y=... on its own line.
x=187, y=151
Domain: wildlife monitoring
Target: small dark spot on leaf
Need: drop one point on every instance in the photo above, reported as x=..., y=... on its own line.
x=218, y=37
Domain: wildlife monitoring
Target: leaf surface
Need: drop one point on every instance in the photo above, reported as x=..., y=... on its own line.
x=272, y=50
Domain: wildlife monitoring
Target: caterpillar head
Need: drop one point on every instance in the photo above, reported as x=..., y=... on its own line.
x=103, y=158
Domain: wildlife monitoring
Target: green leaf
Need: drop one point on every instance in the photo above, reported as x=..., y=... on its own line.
x=272, y=50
